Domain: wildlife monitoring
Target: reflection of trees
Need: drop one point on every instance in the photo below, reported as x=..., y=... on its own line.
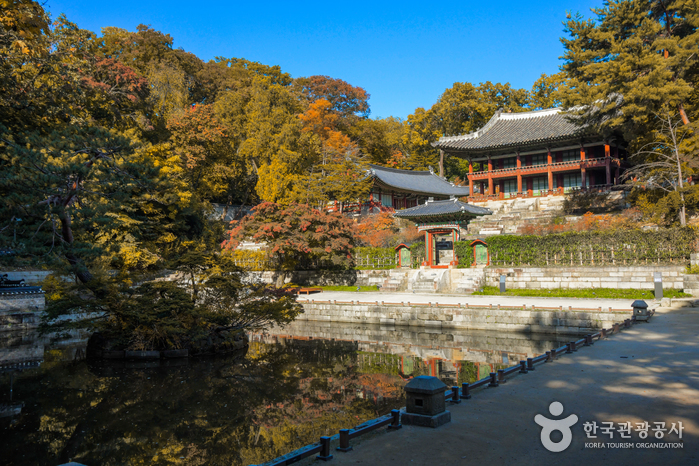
x=205, y=411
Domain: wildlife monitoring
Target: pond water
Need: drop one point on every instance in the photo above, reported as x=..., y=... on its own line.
x=292, y=386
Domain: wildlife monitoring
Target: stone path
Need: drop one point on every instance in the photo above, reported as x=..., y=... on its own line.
x=649, y=373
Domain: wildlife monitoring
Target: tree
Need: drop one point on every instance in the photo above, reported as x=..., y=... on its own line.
x=205, y=307
x=665, y=164
x=212, y=168
x=635, y=59
x=381, y=140
x=346, y=100
x=464, y=108
x=546, y=91
x=24, y=26
x=89, y=190
x=339, y=174
x=383, y=230
x=295, y=237
x=67, y=187
x=461, y=109
x=420, y=133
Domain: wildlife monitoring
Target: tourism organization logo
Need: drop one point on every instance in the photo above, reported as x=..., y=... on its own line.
x=548, y=426
x=659, y=431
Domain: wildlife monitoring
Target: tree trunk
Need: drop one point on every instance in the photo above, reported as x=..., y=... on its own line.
x=79, y=268
x=683, y=217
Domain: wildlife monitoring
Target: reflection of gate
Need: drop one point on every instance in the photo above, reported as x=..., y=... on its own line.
x=480, y=253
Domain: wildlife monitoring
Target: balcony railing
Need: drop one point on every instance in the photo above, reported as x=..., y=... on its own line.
x=555, y=166
x=536, y=193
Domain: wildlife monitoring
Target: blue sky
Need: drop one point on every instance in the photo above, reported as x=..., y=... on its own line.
x=404, y=54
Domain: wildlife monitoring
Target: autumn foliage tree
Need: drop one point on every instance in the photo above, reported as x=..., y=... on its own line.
x=346, y=100
x=340, y=171
x=295, y=237
x=383, y=230
x=207, y=154
x=107, y=174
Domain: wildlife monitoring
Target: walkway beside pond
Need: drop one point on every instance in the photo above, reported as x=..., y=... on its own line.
x=648, y=373
x=471, y=300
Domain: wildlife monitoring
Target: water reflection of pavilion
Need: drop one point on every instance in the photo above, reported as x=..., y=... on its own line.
x=454, y=356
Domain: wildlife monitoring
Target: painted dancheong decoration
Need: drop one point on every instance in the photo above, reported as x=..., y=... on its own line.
x=441, y=221
x=531, y=154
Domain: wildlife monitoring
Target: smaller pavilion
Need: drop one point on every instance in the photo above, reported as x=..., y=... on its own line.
x=441, y=222
x=402, y=189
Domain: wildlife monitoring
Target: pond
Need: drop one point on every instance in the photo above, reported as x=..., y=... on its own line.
x=292, y=386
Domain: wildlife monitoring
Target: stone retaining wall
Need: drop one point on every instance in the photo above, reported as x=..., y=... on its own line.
x=22, y=302
x=517, y=319
x=585, y=277
x=517, y=277
x=691, y=284
x=32, y=277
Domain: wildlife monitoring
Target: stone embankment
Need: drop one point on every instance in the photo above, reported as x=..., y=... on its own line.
x=463, y=316
x=464, y=281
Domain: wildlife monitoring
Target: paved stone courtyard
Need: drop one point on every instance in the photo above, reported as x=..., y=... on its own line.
x=648, y=373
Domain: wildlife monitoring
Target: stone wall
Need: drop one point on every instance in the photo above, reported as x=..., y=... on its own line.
x=517, y=277
x=585, y=277
x=22, y=302
x=31, y=277
x=317, y=278
x=691, y=284
x=517, y=319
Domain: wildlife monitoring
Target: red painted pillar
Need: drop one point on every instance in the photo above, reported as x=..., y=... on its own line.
x=490, y=176
x=583, y=173
x=519, y=174
x=607, y=163
x=550, y=172
x=470, y=181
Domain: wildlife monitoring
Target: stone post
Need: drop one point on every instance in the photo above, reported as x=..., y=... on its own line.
x=425, y=402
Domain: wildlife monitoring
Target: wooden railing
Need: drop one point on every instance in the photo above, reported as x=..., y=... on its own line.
x=555, y=166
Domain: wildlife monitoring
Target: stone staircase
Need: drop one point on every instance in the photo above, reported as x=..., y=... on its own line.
x=396, y=281
x=428, y=281
x=472, y=279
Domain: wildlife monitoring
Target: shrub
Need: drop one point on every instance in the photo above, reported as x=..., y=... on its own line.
x=417, y=254
x=464, y=252
x=374, y=258
x=622, y=247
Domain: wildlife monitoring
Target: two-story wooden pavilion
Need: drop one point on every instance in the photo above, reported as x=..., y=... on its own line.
x=534, y=154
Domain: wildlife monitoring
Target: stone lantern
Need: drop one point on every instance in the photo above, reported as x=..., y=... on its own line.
x=425, y=402
x=640, y=310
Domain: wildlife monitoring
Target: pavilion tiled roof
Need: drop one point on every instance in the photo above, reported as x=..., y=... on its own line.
x=443, y=208
x=422, y=182
x=514, y=130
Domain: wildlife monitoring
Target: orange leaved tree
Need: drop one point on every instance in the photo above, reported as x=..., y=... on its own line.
x=296, y=237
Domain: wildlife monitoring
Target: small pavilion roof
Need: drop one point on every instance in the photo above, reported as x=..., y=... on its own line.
x=421, y=182
x=449, y=210
x=514, y=130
